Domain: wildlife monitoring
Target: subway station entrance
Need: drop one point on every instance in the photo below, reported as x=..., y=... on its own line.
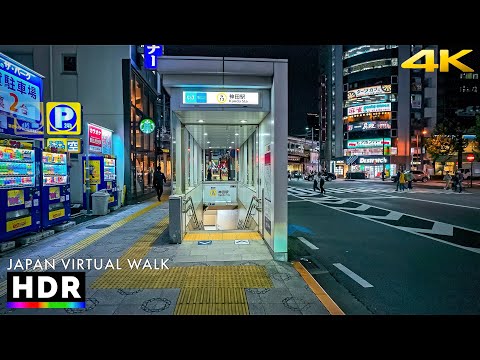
x=229, y=121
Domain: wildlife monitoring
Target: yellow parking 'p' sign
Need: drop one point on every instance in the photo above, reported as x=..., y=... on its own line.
x=64, y=118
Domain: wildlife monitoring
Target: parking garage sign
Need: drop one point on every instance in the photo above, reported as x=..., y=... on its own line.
x=220, y=98
x=20, y=99
x=64, y=118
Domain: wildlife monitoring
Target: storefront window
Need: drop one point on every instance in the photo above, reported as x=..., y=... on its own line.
x=142, y=146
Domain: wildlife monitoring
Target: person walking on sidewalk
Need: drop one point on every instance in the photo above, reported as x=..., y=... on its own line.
x=158, y=180
x=447, y=178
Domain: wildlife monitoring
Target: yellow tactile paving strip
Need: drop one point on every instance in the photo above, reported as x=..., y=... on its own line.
x=241, y=276
x=136, y=252
x=89, y=240
x=212, y=301
x=222, y=236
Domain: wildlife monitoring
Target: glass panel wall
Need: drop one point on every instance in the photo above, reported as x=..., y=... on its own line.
x=142, y=146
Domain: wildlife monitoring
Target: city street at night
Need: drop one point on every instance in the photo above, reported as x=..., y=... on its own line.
x=378, y=251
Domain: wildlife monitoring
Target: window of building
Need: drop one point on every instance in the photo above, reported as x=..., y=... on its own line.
x=364, y=49
x=142, y=146
x=369, y=65
x=69, y=63
x=475, y=76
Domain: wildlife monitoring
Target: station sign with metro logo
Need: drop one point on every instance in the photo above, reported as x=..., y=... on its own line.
x=221, y=98
x=64, y=118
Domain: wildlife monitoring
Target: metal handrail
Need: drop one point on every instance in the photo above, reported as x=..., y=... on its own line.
x=246, y=223
x=187, y=206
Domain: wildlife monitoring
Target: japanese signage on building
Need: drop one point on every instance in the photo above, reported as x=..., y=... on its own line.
x=71, y=145
x=371, y=160
x=220, y=98
x=150, y=54
x=366, y=143
x=371, y=108
x=372, y=90
x=369, y=125
x=99, y=140
x=21, y=91
x=64, y=118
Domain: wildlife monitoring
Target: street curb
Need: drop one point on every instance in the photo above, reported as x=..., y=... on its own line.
x=319, y=292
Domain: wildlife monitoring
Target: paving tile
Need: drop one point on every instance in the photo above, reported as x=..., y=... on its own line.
x=314, y=309
x=279, y=309
x=223, y=257
x=275, y=295
x=256, y=309
x=191, y=258
x=108, y=297
x=200, y=251
x=255, y=257
x=130, y=309
x=99, y=310
x=295, y=282
x=141, y=296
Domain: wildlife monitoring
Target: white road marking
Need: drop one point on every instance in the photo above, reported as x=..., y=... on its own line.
x=438, y=202
x=371, y=218
x=296, y=200
x=352, y=275
x=308, y=243
x=373, y=198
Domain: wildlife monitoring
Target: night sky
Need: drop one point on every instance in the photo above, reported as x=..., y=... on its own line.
x=303, y=70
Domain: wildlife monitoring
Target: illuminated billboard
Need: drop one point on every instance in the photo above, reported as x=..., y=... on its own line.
x=371, y=108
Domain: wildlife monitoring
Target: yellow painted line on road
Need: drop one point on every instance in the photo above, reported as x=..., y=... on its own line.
x=324, y=298
x=89, y=240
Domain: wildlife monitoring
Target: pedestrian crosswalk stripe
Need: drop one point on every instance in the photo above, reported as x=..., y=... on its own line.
x=308, y=192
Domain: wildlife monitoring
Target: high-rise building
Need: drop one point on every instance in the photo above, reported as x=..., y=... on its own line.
x=458, y=101
x=377, y=112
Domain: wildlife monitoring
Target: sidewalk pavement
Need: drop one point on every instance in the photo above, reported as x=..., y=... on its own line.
x=207, y=274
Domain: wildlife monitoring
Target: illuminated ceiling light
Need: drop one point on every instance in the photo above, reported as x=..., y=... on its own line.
x=233, y=142
x=174, y=142
x=208, y=142
x=237, y=134
x=205, y=134
x=209, y=147
x=200, y=121
x=229, y=147
x=243, y=121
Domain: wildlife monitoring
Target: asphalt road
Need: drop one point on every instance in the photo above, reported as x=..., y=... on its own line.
x=392, y=252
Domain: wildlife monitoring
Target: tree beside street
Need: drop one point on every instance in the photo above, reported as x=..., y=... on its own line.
x=439, y=145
